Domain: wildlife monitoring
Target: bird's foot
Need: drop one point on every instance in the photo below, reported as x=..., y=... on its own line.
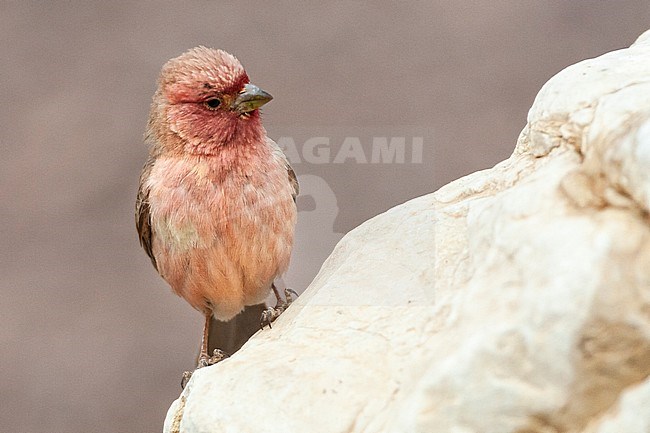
x=187, y=375
x=270, y=314
x=204, y=361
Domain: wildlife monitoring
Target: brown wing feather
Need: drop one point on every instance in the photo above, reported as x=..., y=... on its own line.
x=294, y=182
x=291, y=174
x=142, y=212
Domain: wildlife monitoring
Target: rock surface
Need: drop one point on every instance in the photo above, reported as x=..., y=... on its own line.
x=515, y=299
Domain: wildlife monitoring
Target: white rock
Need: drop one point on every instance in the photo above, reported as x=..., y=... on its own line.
x=515, y=299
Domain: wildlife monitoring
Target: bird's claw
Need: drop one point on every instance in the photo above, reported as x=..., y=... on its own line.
x=287, y=295
x=187, y=375
x=204, y=361
x=270, y=314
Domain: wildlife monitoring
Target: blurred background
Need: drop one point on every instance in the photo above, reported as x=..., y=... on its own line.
x=92, y=338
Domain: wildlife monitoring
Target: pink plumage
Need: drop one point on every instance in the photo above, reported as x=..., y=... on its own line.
x=216, y=205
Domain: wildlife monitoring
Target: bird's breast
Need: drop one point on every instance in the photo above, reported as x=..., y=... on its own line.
x=197, y=201
x=221, y=233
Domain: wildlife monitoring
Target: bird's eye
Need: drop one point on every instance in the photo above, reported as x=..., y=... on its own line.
x=212, y=103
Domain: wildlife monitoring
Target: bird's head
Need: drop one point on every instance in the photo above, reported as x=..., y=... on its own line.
x=204, y=101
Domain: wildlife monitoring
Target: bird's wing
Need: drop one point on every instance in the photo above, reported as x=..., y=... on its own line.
x=294, y=182
x=143, y=214
x=290, y=173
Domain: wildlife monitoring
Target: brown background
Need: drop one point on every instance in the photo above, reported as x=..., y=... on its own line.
x=92, y=339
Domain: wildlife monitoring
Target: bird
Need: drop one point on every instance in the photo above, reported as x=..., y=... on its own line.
x=216, y=203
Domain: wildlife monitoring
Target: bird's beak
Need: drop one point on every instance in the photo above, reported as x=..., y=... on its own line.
x=249, y=99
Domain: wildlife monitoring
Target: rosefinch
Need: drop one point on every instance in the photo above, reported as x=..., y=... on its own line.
x=216, y=203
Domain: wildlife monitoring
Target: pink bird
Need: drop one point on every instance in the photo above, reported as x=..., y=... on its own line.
x=215, y=209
